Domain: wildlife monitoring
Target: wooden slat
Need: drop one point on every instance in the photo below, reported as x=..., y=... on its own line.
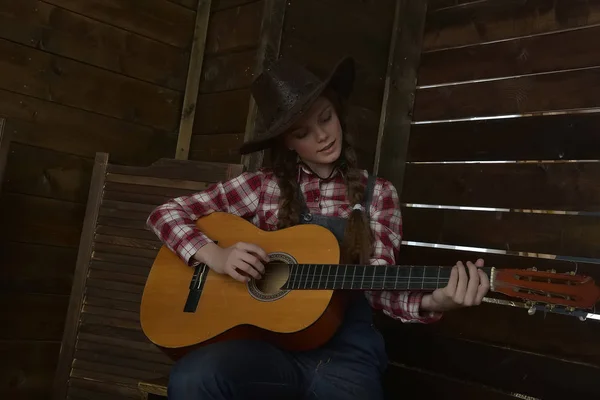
x=546, y=186
x=194, y=76
x=112, y=304
x=111, y=312
x=246, y=20
x=191, y=4
x=38, y=220
x=227, y=72
x=122, y=371
x=150, y=181
x=119, y=258
x=434, y=5
x=46, y=269
x=79, y=85
x=127, y=206
x=113, y=294
x=117, y=286
x=509, y=96
x=130, y=237
x=54, y=126
x=180, y=170
x=139, y=224
x=130, y=269
x=155, y=386
x=127, y=352
x=79, y=277
x=117, y=391
x=487, y=20
x=45, y=316
x=401, y=381
x=121, y=276
x=398, y=101
x=551, y=137
x=223, y=4
x=103, y=377
x=125, y=250
x=118, y=337
x=47, y=173
x=567, y=235
x=59, y=31
x=101, y=320
x=112, y=331
x=136, y=197
x=496, y=366
x=122, y=362
x=217, y=148
x=4, y=148
x=223, y=112
x=27, y=369
x=157, y=19
x=542, y=53
x=119, y=188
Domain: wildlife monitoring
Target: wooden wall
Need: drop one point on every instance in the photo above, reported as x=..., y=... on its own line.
x=319, y=32
x=76, y=77
x=529, y=71
x=228, y=70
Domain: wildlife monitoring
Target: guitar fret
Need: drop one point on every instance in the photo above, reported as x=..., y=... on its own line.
x=312, y=284
x=409, y=275
x=320, y=276
x=328, y=275
x=362, y=282
x=353, y=274
x=385, y=268
x=396, y=281
x=423, y=281
x=373, y=278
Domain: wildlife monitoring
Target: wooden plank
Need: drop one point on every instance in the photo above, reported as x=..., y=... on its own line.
x=128, y=251
x=127, y=206
x=116, y=370
x=139, y=224
x=489, y=20
x=128, y=352
x=59, y=31
x=527, y=94
x=155, y=386
x=130, y=269
x=113, y=294
x=39, y=220
x=103, y=377
x=111, y=312
x=100, y=320
x=49, y=77
x=191, y=4
x=54, y=126
x=122, y=259
x=234, y=28
x=497, y=366
x=434, y=5
x=123, y=214
x=79, y=277
x=122, y=362
x=194, y=76
x=116, y=234
x=545, y=186
x=46, y=269
x=151, y=244
x=157, y=19
x=159, y=182
x=179, y=170
x=401, y=381
x=218, y=5
x=529, y=55
x=112, y=304
x=223, y=112
x=29, y=316
x=47, y=173
x=271, y=32
x=549, y=137
x=567, y=235
x=228, y=72
x=118, y=286
x=27, y=369
x=121, y=276
x=217, y=148
x=4, y=148
x=136, y=197
x=394, y=127
x=118, y=337
x=117, y=189
x=118, y=391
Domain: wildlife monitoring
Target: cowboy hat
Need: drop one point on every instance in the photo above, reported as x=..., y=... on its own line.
x=284, y=91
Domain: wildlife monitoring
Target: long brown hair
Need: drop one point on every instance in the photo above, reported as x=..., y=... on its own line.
x=357, y=244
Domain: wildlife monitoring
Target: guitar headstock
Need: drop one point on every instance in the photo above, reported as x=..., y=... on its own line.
x=550, y=287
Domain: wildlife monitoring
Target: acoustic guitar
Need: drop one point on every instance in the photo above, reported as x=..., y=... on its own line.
x=299, y=302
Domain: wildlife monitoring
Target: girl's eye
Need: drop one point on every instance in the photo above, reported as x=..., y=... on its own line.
x=326, y=116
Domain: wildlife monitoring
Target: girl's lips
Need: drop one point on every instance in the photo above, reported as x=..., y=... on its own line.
x=329, y=146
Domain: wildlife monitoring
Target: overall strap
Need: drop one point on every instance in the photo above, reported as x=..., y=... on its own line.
x=369, y=193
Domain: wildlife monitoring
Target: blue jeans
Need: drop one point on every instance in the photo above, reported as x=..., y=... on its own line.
x=348, y=367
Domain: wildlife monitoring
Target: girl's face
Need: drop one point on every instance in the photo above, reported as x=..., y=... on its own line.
x=317, y=137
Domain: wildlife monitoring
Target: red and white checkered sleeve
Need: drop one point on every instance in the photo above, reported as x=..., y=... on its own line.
x=175, y=221
x=386, y=224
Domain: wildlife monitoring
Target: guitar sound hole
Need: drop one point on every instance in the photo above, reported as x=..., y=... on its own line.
x=277, y=273
x=275, y=276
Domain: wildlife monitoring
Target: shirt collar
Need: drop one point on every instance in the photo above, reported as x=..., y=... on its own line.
x=305, y=169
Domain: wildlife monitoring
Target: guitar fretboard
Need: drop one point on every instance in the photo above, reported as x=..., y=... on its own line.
x=368, y=277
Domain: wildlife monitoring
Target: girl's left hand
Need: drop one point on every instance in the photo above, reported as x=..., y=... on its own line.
x=462, y=290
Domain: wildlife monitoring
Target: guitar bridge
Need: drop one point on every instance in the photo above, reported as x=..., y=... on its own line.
x=196, y=286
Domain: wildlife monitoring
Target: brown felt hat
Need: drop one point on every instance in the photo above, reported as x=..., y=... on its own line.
x=284, y=91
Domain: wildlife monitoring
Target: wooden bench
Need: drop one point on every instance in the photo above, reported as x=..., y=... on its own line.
x=104, y=353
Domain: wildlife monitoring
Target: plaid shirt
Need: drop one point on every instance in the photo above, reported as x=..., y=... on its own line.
x=255, y=197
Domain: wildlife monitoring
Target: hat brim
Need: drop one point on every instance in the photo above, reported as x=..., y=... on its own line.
x=341, y=79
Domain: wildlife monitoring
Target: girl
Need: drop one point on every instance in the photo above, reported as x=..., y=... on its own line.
x=314, y=179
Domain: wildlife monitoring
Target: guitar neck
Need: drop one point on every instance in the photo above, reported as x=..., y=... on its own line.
x=368, y=277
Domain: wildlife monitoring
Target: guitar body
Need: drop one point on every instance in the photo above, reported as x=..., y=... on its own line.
x=228, y=309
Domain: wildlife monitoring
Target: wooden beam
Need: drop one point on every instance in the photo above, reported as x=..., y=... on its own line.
x=193, y=80
x=84, y=255
x=398, y=101
x=4, y=145
x=268, y=50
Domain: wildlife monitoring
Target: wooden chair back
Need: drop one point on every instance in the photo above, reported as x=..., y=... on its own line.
x=104, y=353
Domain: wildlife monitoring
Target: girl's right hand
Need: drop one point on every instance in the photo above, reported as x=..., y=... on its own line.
x=239, y=261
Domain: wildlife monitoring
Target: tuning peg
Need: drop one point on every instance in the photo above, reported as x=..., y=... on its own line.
x=552, y=271
x=532, y=269
x=531, y=310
